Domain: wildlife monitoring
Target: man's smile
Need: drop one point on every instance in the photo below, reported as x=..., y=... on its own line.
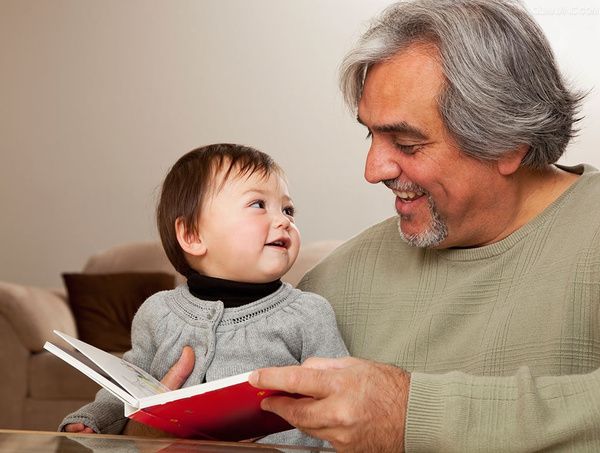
x=408, y=196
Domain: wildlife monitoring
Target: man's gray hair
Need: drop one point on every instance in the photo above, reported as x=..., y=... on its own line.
x=503, y=88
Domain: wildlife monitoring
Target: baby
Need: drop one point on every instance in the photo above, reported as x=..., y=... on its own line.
x=226, y=222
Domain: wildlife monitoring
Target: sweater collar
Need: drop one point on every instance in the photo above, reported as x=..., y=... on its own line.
x=497, y=248
x=231, y=293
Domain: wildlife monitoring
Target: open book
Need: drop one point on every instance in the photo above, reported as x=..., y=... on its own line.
x=225, y=409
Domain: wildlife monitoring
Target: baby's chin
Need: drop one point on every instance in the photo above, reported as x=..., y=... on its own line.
x=272, y=278
x=273, y=274
x=264, y=278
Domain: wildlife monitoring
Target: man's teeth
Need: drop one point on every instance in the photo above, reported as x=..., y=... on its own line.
x=408, y=195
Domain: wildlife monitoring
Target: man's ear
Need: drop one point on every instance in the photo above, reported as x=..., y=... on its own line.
x=190, y=242
x=511, y=161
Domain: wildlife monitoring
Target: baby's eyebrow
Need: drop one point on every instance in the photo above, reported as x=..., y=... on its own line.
x=266, y=192
x=255, y=190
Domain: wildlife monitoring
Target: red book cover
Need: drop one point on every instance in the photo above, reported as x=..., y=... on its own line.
x=231, y=413
x=226, y=409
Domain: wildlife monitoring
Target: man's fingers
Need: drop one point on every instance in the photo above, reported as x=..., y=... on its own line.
x=294, y=379
x=321, y=363
x=179, y=372
x=303, y=413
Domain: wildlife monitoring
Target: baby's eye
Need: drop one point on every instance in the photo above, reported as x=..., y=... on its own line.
x=260, y=204
x=289, y=211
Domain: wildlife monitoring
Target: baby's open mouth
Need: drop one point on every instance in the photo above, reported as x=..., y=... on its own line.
x=280, y=243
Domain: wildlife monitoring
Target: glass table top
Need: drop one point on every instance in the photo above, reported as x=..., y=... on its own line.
x=40, y=441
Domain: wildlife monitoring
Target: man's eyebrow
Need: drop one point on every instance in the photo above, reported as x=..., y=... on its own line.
x=399, y=128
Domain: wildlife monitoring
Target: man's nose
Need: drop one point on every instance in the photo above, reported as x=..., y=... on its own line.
x=381, y=164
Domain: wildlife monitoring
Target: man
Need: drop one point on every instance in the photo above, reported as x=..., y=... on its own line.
x=480, y=319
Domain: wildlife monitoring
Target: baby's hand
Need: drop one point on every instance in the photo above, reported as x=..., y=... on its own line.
x=78, y=428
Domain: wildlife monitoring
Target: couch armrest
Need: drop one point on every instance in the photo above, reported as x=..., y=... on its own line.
x=34, y=313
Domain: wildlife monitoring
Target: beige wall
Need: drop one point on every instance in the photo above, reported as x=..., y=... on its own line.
x=99, y=98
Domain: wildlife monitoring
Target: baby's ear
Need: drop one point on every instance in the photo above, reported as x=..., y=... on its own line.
x=189, y=241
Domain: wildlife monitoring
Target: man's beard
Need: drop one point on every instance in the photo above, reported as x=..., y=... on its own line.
x=436, y=231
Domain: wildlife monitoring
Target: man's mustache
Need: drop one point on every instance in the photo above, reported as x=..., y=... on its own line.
x=405, y=186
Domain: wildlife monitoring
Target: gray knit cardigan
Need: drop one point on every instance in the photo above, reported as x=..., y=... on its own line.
x=284, y=328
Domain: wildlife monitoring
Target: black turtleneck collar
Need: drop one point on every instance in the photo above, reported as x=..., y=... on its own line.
x=231, y=293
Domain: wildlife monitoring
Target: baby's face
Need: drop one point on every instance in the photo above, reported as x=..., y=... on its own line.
x=248, y=230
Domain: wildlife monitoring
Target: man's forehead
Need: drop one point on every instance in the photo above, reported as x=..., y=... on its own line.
x=415, y=54
x=416, y=69
x=399, y=91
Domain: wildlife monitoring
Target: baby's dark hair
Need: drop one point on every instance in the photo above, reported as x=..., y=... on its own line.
x=191, y=179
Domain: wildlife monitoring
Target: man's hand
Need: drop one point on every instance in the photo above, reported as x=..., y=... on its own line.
x=182, y=369
x=174, y=379
x=357, y=405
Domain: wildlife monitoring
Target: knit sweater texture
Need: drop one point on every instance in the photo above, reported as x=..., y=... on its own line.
x=503, y=341
x=284, y=328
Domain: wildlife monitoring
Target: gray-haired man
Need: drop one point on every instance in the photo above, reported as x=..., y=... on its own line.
x=481, y=318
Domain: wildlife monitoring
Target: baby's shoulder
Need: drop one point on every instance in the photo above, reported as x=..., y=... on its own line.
x=306, y=301
x=156, y=306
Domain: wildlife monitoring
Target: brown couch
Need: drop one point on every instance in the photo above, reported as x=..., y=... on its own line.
x=37, y=388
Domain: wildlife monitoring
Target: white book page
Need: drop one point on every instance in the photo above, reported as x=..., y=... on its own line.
x=129, y=409
x=92, y=371
x=136, y=381
x=198, y=389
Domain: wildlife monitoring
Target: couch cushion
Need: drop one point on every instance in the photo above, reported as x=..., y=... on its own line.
x=132, y=257
x=51, y=378
x=150, y=257
x=104, y=304
x=34, y=313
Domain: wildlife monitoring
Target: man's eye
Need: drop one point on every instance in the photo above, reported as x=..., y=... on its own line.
x=289, y=211
x=258, y=204
x=407, y=149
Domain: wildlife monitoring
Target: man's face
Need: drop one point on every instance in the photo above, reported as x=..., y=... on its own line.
x=443, y=197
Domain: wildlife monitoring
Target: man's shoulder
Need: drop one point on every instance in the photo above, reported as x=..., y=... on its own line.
x=373, y=246
x=583, y=196
x=385, y=232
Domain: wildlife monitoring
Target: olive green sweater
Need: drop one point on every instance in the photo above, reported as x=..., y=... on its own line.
x=503, y=341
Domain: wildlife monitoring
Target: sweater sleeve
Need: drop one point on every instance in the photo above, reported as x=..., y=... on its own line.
x=105, y=415
x=460, y=412
x=320, y=334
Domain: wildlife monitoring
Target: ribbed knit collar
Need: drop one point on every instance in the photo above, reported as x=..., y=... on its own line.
x=231, y=293
x=497, y=248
